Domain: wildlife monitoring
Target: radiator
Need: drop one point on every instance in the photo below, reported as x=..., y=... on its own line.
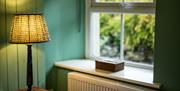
x=84, y=82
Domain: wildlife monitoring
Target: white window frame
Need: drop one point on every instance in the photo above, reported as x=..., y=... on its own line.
x=92, y=28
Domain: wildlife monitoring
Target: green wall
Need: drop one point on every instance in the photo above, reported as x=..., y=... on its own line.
x=167, y=45
x=13, y=57
x=65, y=20
x=68, y=43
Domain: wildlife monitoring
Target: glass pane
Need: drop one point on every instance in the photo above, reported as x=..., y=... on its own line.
x=110, y=35
x=138, y=0
x=138, y=41
x=108, y=1
x=139, y=38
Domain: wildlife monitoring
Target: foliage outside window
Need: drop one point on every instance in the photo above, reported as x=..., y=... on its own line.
x=139, y=36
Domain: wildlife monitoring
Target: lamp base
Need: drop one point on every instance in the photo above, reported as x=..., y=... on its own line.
x=29, y=68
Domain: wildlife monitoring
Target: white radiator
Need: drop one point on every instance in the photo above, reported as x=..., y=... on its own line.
x=84, y=82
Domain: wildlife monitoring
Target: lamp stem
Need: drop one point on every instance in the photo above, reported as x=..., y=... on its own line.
x=29, y=68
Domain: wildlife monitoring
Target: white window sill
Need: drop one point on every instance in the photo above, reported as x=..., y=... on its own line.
x=130, y=74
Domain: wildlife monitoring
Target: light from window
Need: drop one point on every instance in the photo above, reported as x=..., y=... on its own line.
x=138, y=37
x=110, y=35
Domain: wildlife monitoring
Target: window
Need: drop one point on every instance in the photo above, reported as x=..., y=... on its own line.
x=118, y=1
x=121, y=29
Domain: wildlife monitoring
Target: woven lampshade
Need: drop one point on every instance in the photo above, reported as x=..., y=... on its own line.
x=28, y=28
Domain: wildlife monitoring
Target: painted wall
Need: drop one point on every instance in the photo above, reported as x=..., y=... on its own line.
x=167, y=45
x=13, y=57
x=65, y=20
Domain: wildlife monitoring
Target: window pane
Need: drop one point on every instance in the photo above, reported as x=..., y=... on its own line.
x=107, y=1
x=139, y=38
x=109, y=35
x=138, y=41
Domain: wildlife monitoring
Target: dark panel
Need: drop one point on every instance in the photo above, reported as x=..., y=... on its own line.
x=167, y=45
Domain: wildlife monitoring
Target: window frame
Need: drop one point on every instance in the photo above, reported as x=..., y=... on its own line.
x=123, y=7
x=92, y=28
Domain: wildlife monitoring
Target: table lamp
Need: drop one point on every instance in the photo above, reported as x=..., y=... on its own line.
x=28, y=29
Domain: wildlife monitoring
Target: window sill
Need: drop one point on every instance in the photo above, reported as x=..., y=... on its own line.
x=143, y=77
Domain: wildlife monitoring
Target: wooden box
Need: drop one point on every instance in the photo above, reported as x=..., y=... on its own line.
x=112, y=66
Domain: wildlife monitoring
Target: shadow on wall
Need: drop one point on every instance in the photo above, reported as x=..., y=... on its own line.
x=51, y=83
x=2, y=34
